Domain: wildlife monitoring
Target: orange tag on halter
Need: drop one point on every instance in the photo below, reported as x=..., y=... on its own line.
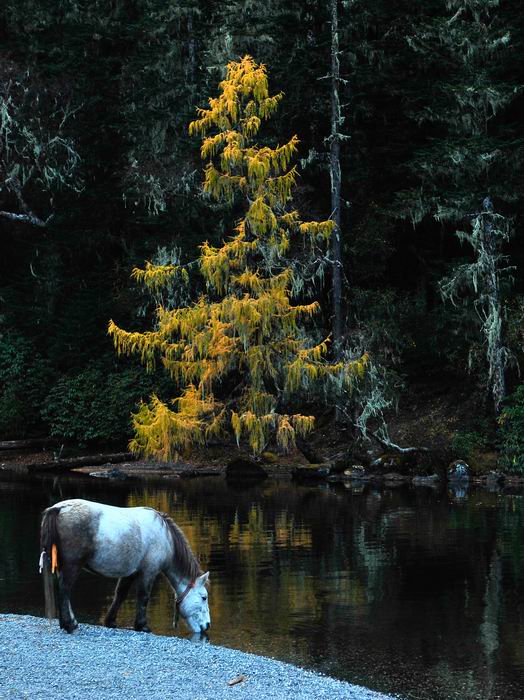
x=54, y=559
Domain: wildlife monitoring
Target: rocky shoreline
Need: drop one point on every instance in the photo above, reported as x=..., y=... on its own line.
x=388, y=470
x=41, y=662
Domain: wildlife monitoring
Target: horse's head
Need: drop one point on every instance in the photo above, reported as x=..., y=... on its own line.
x=193, y=605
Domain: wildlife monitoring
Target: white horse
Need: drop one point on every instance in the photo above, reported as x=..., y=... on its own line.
x=131, y=544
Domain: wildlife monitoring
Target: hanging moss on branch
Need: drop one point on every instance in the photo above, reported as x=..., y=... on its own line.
x=239, y=353
x=37, y=155
x=483, y=278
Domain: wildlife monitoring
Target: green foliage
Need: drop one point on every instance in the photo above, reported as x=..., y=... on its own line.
x=431, y=101
x=93, y=405
x=511, y=432
x=465, y=443
x=24, y=381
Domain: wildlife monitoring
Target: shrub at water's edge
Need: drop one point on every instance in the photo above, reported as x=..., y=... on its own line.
x=511, y=432
x=93, y=404
x=25, y=378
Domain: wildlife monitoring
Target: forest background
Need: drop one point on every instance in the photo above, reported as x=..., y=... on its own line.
x=98, y=174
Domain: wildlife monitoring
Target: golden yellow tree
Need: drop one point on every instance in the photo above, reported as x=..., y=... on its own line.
x=238, y=354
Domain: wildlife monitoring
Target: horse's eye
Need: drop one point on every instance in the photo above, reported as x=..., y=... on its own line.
x=204, y=597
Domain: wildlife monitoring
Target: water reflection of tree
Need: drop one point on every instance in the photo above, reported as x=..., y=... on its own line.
x=364, y=569
x=395, y=589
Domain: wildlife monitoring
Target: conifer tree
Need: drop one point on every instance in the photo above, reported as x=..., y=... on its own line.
x=473, y=155
x=239, y=353
x=464, y=49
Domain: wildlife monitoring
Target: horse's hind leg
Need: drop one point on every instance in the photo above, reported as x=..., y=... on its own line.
x=66, y=579
x=143, y=591
x=121, y=591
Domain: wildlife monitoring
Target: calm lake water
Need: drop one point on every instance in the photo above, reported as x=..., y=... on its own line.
x=415, y=592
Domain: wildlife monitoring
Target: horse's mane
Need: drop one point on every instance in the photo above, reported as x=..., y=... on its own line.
x=186, y=562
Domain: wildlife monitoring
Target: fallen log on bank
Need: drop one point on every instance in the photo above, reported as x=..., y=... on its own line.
x=65, y=465
x=34, y=443
x=201, y=471
x=312, y=473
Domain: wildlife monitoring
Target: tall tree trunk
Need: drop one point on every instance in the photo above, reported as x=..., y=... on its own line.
x=191, y=51
x=335, y=172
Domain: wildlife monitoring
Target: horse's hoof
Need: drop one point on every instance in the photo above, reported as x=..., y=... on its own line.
x=70, y=627
x=142, y=628
x=110, y=623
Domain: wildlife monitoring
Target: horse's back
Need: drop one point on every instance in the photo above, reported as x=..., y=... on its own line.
x=80, y=505
x=112, y=540
x=80, y=511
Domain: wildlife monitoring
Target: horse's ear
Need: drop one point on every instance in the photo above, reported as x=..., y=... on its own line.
x=202, y=580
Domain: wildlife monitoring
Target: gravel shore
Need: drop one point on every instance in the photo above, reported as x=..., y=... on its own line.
x=38, y=660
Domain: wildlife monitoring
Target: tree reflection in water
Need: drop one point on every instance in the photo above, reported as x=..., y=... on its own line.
x=408, y=591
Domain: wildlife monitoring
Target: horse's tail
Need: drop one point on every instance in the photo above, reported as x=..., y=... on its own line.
x=49, y=557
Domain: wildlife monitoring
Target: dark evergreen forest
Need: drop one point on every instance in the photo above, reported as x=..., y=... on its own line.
x=98, y=174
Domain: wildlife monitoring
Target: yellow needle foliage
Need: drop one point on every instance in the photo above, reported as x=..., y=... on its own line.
x=242, y=340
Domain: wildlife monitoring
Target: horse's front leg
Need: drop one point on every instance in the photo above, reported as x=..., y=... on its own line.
x=121, y=591
x=66, y=579
x=143, y=591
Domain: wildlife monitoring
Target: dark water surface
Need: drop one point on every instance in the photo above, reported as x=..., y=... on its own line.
x=406, y=591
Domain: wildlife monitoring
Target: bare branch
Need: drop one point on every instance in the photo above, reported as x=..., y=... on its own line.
x=396, y=448
x=28, y=217
x=25, y=218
